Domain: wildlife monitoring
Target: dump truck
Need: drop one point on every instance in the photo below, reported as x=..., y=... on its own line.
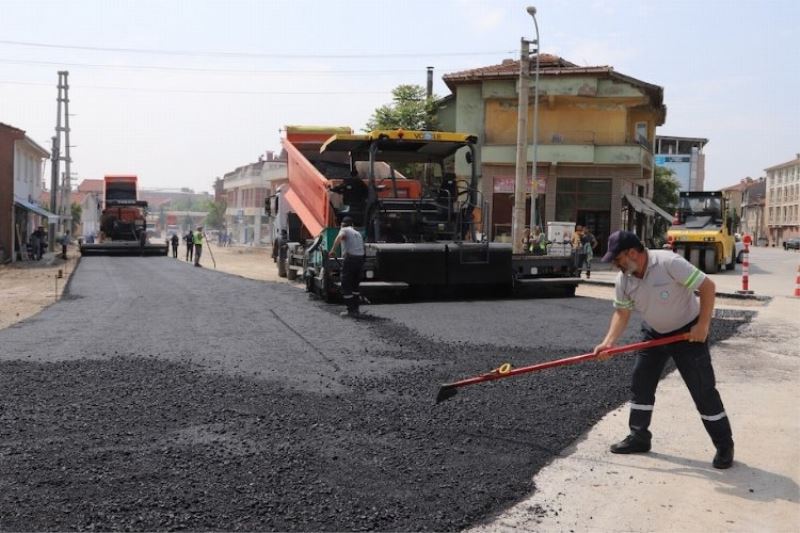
x=419, y=221
x=123, y=222
x=702, y=231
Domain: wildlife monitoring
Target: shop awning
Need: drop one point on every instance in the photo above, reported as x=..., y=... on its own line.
x=652, y=205
x=36, y=209
x=638, y=205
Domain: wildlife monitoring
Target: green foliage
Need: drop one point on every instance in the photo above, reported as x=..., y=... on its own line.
x=77, y=212
x=665, y=196
x=189, y=203
x=216, y=214
x=411, y=109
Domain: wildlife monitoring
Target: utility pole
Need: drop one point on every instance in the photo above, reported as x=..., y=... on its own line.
x=55, y=167
x=535, y=160
x=520, y=181
x=67, y=205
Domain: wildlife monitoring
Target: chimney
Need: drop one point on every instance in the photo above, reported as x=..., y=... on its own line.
x=270, y=155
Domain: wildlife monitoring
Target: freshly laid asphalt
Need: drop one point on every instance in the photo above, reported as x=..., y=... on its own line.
x=158, y=396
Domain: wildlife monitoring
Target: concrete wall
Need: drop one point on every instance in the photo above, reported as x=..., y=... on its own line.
x=8, y=137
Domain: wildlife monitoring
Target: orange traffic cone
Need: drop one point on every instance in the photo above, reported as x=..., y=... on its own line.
x=797, y=283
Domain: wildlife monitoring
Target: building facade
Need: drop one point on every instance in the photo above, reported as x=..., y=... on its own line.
x=753, y=219
x=595, y=144
x=685, y=158
x=245, y=189
x=783, y=201
x=21, y=169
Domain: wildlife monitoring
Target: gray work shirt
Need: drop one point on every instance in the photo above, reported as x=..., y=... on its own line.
x=665, y=295
x=352, y=242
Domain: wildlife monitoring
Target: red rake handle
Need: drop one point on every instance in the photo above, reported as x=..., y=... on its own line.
x=490, y=376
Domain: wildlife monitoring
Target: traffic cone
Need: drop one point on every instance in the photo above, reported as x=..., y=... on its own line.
x=797, y=283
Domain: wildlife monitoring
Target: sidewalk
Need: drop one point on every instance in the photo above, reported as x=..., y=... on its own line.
x=674, y=488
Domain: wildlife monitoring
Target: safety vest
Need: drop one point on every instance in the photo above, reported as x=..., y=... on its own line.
x=538, y=242
x=197, y=238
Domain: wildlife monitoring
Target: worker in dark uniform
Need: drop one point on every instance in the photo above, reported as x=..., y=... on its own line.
x=353, y=251
x=660, y=285
x=175, y=241
x=354, y=196
x=189, y=238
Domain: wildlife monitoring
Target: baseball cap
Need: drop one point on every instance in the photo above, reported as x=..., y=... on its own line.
x=618, y=242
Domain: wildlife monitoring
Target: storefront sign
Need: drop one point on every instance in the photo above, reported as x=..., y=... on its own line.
x=505, y=185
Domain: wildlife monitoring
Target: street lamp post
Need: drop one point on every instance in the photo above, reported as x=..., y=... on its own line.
x=534, y=174
x=521, y=182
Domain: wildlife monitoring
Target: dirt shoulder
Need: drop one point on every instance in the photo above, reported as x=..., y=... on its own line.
x=28, y=287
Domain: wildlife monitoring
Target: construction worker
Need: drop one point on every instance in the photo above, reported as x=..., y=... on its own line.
x=588, y=245
x=175, y=241
x=198, y=245
x=660, y=285
x=354, y=196
x=538, y=244
x=189, y=239
x=353, y=251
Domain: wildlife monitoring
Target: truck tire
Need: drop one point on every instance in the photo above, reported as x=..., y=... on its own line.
x=281, y=268
x=732, y=263
x=291, y=274
x=710, y=265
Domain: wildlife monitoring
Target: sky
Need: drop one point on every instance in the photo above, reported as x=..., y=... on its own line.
x=180, y=92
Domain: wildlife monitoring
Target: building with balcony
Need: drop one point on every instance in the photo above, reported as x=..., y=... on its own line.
x=753, y=221
x=245, y=190
x=685, y=158
x=595, y=144
x=783, y=201
x=22, y=163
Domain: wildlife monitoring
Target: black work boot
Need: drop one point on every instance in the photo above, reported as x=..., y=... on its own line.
x=631, y=444
x=724, y=457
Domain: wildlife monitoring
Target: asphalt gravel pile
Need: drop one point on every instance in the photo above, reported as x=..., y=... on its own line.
x=162, y=397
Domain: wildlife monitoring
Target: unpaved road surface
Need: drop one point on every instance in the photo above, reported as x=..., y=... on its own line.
x=159, y=396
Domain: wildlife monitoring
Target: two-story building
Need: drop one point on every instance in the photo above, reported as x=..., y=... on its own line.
x=22, y=163
x=783, y=201
x=754, y=221
x=245, y=190
x=595, y=143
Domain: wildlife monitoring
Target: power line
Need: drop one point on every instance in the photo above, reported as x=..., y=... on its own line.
x=203, y=69
x=251, y=54
x=200, y=91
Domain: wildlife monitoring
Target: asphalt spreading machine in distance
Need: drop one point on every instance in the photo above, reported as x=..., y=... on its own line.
x=123, y=222
x=420, y=222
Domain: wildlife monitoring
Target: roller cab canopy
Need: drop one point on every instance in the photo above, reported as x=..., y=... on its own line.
x=399, y=146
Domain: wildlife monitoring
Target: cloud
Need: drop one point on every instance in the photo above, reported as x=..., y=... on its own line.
x=482, y=17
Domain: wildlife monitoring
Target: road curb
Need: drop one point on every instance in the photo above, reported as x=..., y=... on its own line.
x=734, y=295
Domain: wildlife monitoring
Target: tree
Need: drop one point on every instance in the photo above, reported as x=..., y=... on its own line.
x=411, y=109
x=76, y=211
x=216, y=213
x=665, y=196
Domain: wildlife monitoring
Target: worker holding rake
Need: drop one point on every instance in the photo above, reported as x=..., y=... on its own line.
x=660, y=285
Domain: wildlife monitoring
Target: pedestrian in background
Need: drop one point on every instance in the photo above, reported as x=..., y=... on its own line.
x=189, y=238
x=588, y=245
x=353, y=251
x=64, y=242
x=660, y=285
x=198, y=245
x=36, y=243
x=538, y=243
x=175, y=241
